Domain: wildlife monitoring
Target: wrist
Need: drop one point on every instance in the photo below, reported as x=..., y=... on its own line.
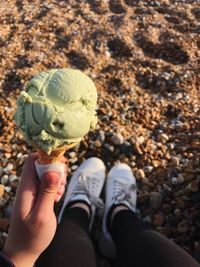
x=19, y=259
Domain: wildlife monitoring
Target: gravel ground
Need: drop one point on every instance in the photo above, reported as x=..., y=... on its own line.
x=144, y=59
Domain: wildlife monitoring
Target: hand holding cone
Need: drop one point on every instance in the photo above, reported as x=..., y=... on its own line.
x=55, y=162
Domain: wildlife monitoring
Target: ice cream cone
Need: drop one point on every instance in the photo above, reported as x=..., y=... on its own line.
x=55, y=155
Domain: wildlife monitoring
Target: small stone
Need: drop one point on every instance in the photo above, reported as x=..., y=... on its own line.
x=159, y=220
x=175, y=161
x=168, y=156
x=167, y=189
x=194, y=186
x=137, y=148
x=166, y=230
x=7, y=155
x=148, y=169
x=7, y=212
x=153, y=147
x=197, y=246
x=177, y=213
x=97, y=143
x=74, y=167
x=164, y=163
x=197, y=162
x=140, y=174
x=107, y=54
x=1, y=170
x=147, y=219
x=132, y=164
x=163, y=138
x=102, y=136
x=155, y=200
x=140, y=140
x=4, y=179
x=171, y=146
x=143, y=198
x=1, y=190
x=155, y=163
x=111, y=148
x=180, y=203
x=7, y=189
x=178, y=96
x=73, y=160
x=13, y=178
x=14, y=185
x=4, y=234
x=4, y=223
x=173, y=173
x=160, y=145
x=174, y=180
x=19, y=155
x=190, y=176
x=182, y=227
x=161, y=172
x=166, y=208
x=72, y=154
x=8, y=168
x=181, y=178
x=117, y=139
x=3, y=201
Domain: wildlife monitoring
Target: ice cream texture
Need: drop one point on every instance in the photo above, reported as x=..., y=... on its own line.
x=57, y=108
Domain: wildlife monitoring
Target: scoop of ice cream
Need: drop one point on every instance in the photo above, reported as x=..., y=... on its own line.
x=57, y=108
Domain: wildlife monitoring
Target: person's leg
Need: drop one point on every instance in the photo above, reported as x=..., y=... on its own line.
x=134, y=244
x=138, y=246
x=71, y=246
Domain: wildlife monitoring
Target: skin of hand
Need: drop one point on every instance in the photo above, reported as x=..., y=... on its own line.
x=61, y=182
x=33, y=222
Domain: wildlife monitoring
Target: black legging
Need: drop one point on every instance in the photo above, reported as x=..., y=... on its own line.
x=136, y=245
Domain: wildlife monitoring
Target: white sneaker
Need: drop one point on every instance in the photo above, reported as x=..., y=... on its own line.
x=86, y=185
x=120, y=189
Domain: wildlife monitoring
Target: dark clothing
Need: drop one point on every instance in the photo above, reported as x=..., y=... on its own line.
x=71, y=245
x=5, y=262
x=136, y=245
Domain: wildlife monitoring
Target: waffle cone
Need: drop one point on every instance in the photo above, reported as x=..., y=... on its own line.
x=55, y=155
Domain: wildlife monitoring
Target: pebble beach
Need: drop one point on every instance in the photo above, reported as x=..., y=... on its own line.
x=144, y=58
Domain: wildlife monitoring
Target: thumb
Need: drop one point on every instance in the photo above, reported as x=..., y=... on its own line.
x=47, y=192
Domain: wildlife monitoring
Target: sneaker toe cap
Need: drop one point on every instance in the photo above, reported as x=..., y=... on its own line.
x=93, y=165
x=121, y=170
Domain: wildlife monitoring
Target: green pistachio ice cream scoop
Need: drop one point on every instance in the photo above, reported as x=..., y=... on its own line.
x=57, y=108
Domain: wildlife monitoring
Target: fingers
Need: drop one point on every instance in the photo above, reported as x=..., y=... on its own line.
x=27, y=194
x=65, y=168
x=29, y=170
x=47, y=194
x=61, y=184
x=61, y=190
x=27, y=189
x=63, y=160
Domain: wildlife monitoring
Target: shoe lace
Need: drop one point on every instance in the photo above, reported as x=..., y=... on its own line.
x=83, y=188
x=123, y=192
